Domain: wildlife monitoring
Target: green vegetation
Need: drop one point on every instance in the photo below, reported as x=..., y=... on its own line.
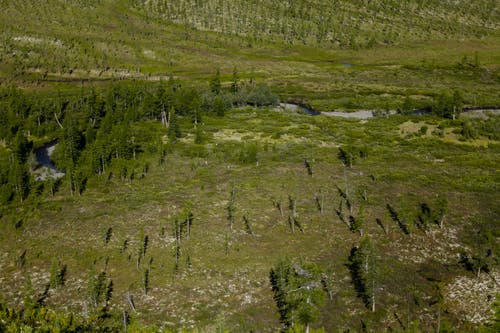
x=355, y=54
x=151, y=181
x=185, y=217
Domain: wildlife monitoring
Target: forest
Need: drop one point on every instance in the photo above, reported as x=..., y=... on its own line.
x=95, y=128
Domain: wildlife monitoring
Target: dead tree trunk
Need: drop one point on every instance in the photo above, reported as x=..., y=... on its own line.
x=130, y=300
x=373, y=295
x=125, y=320
x=292, y=205
x=57, y=120
x=319, y=202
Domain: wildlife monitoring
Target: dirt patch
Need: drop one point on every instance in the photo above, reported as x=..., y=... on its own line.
x=481, y=114
x=471, y=297
x=245, y=136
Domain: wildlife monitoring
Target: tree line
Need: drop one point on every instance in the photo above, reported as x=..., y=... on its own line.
x=97, y=128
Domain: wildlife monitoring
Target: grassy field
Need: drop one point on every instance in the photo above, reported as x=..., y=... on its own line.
x=223, y=275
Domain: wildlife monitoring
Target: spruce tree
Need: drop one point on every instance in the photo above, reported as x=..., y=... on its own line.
x=235, y=81
x=174, y=130
x=215, y=84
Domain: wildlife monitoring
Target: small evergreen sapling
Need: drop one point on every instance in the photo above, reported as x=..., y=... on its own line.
x=109, y=234
x=248, y=226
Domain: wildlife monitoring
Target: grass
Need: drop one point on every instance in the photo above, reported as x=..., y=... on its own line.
x=50, y=48
x=234, y=289
x=114, y=41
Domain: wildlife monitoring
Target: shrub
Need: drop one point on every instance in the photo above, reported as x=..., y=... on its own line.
x=248, y=153
x=468, y=131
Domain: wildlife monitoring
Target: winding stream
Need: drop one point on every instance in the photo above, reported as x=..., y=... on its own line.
x=367, y=114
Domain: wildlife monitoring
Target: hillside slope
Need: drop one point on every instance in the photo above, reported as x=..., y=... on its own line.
x=193, y=201
x=341, y=23
x=349, y=55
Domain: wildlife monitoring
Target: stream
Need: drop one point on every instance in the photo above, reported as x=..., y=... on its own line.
x=47, y=168
x=367, y=114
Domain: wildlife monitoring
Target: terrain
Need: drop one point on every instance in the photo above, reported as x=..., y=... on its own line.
x=438, y=46
x=190, y=199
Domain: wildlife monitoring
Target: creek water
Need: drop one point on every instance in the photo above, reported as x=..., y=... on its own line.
x=367, y=114
x=48, y=169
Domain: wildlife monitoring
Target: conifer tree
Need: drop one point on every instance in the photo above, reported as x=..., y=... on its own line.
x=145, y=281
x=219, y=106
x=20, y=179
x=109, y=293
x=174, y=130
x=231, y=208
x=235, y=81
x=109, y=233
x=215, y=84
x=363, y=268
x=21, y=147
x=356, y=224
x=298, y=292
